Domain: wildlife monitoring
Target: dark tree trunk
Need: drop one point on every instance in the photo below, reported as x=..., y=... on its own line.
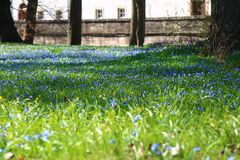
x=137, y=26
x=133, y=25
x=8, y=32
x=75, y=22
x=225, y=28
x=141, y=22
x=30, y=21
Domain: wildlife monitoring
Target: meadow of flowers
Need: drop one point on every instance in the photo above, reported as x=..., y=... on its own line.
x=59, y=102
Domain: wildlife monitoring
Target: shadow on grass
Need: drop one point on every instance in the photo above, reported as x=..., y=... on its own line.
x=122, y=78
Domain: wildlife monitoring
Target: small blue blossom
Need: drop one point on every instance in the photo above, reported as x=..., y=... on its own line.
x=19, y=145
x=26, y=110
x=196, y=149
x=45, y=135
x=10, y=116
x=36, y=113
x=1, y=150
x=112, y=141
x=114, y=103
x=158, y=153
x=168, y=148
x=237, y=69
x=200, y=108
x=27, y=138
x=155, y=146
x=136, y=118
x=36, y=136
x=231, y=157
x=53, y=108
x=134, y=133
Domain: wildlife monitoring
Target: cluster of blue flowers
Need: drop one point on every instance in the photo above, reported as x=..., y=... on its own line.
x=113, y=78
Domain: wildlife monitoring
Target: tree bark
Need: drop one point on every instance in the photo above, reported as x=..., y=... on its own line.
x=225, y=27
x=30, y=21
x=8, y=32
x=141, y=22
x=133, y=25
x=137, y=26
x=75, y=22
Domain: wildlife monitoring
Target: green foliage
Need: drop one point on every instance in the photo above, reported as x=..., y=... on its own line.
x=59, y=102
x=233, y=59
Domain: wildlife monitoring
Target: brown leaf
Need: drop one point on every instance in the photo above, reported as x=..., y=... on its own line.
x=21, y=158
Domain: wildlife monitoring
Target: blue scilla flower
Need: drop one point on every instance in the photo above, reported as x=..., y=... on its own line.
x=1, y=150
x=200, y=108
x=154, y=146
x=134, y=133
x=27, y=138
x=26, y=110
x=158, y=152
x=136, y=118
x=36, y=136
x=114, y=103
x=45, y=135
x=231, y=157
x=196, y=149
x=168, y=148
x=10, y=116
x=112, y=141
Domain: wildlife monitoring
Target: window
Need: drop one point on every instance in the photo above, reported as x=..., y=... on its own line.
x=58, y=15
x=198, y=7
x=99, y=13
x=40, y=15
x=121, y=13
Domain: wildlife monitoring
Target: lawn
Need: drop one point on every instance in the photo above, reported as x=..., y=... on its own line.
x=59, y=102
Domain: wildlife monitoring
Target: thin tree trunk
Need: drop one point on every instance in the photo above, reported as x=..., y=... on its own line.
x=141, y=22
x=133, y=25
x=8, y=32
x=75, y=22
x=225, y=27
x=30, y=21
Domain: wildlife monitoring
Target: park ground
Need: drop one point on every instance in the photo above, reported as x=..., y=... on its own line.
x=162, y=102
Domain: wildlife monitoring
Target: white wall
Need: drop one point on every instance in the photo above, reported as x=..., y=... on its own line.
x=154, y=8
x=109, y=8
x=167, y=8
x=48, y=6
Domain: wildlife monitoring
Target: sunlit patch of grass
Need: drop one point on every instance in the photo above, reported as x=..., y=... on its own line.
x=59, y=102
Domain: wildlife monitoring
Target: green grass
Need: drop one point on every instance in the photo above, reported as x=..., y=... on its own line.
x=233, y=60
x=65, y=103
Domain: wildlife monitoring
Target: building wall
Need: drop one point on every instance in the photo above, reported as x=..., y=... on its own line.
x=113, y=32
x=154, y=8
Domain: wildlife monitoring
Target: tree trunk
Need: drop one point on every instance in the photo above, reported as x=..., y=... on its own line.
x=225, y=27
x=137, y=26
x=30, y=21
x=141, y=22
x=8, y=32
x=133, y=25
x=75, y=22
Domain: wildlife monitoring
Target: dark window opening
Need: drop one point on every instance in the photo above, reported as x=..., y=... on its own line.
x=198, y=7
x=40, y=15
x=59, y=15
x=99, y=13
x=121, y=13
